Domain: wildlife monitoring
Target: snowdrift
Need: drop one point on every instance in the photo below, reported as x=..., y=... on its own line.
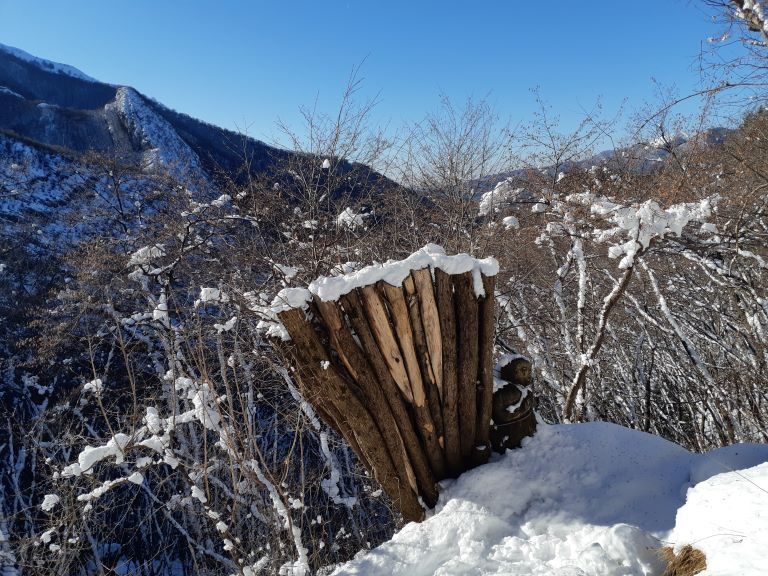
x=589, y=499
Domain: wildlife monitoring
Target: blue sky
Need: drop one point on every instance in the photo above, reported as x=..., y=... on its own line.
x=243, y=64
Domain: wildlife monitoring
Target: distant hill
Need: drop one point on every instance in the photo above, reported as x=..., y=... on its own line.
x=641, y=158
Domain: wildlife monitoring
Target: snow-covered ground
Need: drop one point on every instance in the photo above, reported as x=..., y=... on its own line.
x=589, y=499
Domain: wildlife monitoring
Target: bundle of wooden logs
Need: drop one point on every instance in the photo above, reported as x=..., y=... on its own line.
x=404, y=373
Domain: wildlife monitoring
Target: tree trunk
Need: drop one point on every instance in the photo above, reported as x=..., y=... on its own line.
x=485, y=388
x=424, y=476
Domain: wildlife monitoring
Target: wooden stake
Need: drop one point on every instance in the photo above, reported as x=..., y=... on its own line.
x=431, y=320
x=352, y=357
x=402, y=328
x=467, y=323
x=402, y=325
x=446, y=312
x=422, y=354
x=382, y=331
x=485, y=372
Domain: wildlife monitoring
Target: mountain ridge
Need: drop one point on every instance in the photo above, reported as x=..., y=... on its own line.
x=58, y=105
x=47, y=64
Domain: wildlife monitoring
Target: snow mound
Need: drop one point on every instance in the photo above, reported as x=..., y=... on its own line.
x=46, y=65
x=394, y=272
x=330, y=288
x=726, y=517
x=579, y=500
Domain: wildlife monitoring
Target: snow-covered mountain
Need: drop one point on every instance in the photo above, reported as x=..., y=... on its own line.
x=56, y=105
x=647, y=156
x=46, y=193
x=53, y=67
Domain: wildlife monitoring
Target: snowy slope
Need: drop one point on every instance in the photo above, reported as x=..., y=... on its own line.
x=49, y=195
x=726, y=516
x=584, y=500
x=47, y=65
x=160, y=144
x=4, y=90
x=36, y=187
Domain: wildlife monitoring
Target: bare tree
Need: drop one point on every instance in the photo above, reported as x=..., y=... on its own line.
x=448, y=158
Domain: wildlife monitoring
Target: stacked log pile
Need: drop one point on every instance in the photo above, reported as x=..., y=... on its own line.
x=398, y=359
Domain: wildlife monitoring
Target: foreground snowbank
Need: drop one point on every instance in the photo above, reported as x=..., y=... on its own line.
x=588, y=499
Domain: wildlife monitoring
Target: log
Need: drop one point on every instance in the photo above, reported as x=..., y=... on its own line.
x=447, y=316
x=353, y=358
x=402, y=328
x=402, y=324
x=431, y=320
x=405, y=375
x=311, y=394
x=330, y=415
x=422, y=355
x=425, y=479
x=385, y=338
x=331, y=387
x=485, y=372
x=467, y=324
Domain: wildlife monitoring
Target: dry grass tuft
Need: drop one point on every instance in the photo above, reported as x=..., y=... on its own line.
x=687, y=562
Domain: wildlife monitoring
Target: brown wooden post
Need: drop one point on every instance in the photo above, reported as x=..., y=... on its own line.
x=357, y=365
x=422, y=356
x=402, y=328
x=431, y=319
x=404, y=374
x=485, y=371
x=325, y=409
x=404, y=336
x=467, y=322
x=385, y=337
x=447, y=316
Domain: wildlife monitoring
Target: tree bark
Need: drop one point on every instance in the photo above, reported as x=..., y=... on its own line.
x=424, y=476
x=431, y=319
x=402, y=328
x=382, y=331
x=427, y=428
x=357, y=365
x=467, y=322
x=485, y=372
x=447, y=317
x=422, y=355
x=323, y=378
